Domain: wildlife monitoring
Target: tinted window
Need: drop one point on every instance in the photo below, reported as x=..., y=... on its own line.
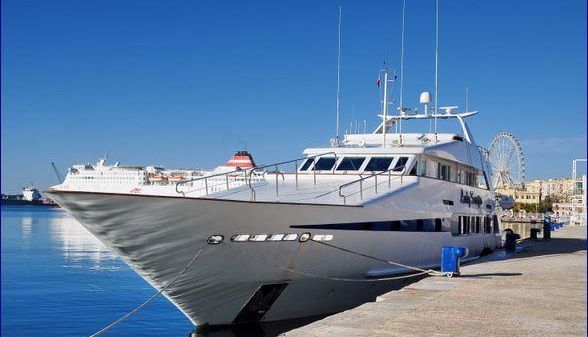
x=379, y=164
x=306, y=164
x=438, y=225
x=400, y=164
x=408, y=225
x=325, y=164
x=350, y=163
x=395, y=226
x=496, y=224
x=420, y=225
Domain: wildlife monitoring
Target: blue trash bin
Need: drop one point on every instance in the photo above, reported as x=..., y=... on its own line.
x=450, y=258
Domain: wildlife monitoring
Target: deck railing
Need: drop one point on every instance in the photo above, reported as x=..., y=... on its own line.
x=277, y=172
x=228, y=176
x=361, y=182
x=246, y=176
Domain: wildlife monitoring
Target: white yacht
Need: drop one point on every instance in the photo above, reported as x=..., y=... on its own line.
x=281, y=245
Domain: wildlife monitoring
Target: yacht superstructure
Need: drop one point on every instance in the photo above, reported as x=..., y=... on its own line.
x=263, y=231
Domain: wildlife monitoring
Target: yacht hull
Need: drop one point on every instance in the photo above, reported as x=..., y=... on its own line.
x=235, y=282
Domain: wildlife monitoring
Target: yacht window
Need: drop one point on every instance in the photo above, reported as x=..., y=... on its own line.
x=496, y=224
x=466, y=224
x=395, y=226
x=325, y=164
x=429, y=225
x=422, y=167
x=487, y=225
x=378, y=164
x=306, y=164
x=413, y=170
x=350, y=163
x=420, y=225
x=460, y=176
x=400, y=164
x=408, y=225
x=443, y=172
x=438, y=225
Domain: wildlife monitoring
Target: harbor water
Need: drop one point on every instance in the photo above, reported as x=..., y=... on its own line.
x=522, y=228
x=58, y=280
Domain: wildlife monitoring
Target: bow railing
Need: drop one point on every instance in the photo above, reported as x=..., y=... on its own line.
x=211, y=182
x=277, y=172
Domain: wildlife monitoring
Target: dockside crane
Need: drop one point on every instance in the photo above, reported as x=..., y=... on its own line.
x=57, y=174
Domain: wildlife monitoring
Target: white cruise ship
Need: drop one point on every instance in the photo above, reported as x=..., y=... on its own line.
x=155, y=180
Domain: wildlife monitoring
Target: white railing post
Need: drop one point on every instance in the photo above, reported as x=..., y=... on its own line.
x=276, y=170
x=296, y=173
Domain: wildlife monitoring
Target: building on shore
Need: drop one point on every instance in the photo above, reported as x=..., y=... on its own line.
x=527, y=194
x=578, y=201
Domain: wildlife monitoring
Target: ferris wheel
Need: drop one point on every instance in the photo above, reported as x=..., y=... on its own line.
x=507, y=161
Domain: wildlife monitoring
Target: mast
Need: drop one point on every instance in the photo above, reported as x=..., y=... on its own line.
x=402, y=72
x=402, y=60
x=436, y=62
x=338, y=76
x=385, y=106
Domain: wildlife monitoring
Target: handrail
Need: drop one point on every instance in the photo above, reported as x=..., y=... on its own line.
x=205, y=178
x=275, y=165
x=374, y=175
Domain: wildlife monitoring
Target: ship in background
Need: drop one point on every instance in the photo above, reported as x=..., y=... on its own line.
x=155, y=180
x=29, y=196
x=146, y=180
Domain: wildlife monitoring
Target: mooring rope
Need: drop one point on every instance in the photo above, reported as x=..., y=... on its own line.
x=334, y=278
x=149, y=300
x=428, y=271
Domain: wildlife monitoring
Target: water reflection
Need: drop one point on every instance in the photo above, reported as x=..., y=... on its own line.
x=522, y=228
x=76, y=243
x=26, y=223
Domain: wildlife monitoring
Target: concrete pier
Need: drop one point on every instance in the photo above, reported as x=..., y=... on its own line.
x=538, y=291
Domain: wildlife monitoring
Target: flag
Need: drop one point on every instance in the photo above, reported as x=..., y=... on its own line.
x=378, y=81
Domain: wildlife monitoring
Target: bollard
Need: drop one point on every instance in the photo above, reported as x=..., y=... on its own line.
x=510, y=242
x=450, y=258
x=546, y=231
x=534, y=232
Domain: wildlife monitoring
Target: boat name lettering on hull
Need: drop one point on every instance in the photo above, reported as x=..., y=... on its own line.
x=468, y=197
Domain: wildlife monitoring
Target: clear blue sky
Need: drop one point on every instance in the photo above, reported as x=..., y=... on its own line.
x=186, y=83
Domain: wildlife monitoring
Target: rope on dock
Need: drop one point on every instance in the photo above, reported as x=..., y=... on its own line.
x=149, y=300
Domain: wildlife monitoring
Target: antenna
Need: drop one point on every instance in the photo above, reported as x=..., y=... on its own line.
x=436, y=62
x=338, y=75
x=402, y=61
x=467, y=99
x=385, y=105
